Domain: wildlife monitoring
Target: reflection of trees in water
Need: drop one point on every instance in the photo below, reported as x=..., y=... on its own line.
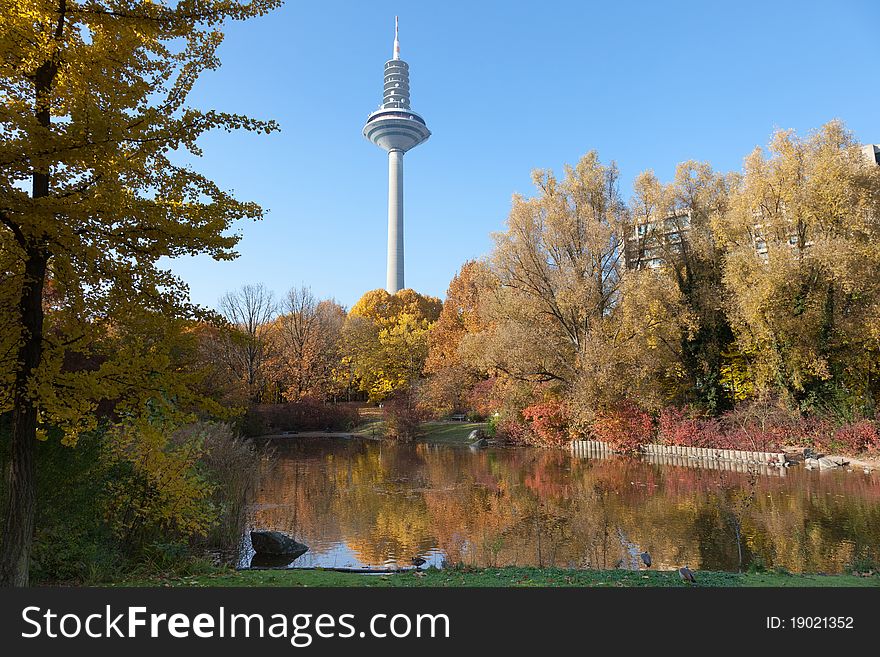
x=519, y=506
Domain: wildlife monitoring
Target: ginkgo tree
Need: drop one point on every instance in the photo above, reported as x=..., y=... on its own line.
x=93, y=114
x=386, y=340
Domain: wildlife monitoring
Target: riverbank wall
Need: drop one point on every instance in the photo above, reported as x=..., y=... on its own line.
x=723, y=459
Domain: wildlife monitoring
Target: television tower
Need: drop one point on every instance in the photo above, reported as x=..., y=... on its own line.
x=395, y=128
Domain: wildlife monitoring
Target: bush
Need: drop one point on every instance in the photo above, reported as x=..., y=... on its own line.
x=625, y=427
x=74, y=553
x=548, y=422
x=232, y=465
x=855, y=438
x=304, y=415
x=140, y=498
x=72, y=542
x=402, y=417
x=156, y=491
x=756, y=425
x=766, y=426
x=514, y=431
x=483, y=397
x=677, y=426
x=808, y=432
x=862, y=565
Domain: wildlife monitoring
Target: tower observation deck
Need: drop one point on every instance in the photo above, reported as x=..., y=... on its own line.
x=395, y=128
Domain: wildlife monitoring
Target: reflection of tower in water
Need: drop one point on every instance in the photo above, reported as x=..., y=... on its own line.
x=359, y=503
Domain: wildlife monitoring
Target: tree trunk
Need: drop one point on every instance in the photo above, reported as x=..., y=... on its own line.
x=18, y=526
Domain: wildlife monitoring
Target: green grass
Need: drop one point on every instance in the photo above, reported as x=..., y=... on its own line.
x=449, y=432
x=370, y=423
x=502, y=577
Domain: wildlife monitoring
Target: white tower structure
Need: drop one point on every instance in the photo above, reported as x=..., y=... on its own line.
x=395, y=128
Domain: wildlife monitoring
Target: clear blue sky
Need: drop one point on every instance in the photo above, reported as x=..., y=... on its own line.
x=505, y=87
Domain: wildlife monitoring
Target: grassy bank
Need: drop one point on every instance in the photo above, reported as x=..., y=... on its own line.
x=504, y=577
x=448, y=432
x=442, y=433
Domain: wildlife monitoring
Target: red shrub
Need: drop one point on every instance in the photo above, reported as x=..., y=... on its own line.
x=809, y=432
x=761, y=425
x=548, y=422
x=512, y=431
x=855, y=438
x=679, y=427
x=751, y=438
x=766, y=428
x=625, y=427
x=402, y=417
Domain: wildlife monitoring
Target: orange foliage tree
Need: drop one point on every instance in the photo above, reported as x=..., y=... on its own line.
x=452, y=375
x=306, y=344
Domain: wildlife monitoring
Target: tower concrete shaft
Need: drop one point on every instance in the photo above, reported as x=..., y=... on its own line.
x=394, y=276
x=395, y=128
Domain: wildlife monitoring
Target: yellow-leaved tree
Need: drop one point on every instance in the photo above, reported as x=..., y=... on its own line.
x=386, y=339
x=93, y=108
x=802, y=240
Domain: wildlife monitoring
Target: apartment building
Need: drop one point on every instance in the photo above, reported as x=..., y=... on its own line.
x=651, y=243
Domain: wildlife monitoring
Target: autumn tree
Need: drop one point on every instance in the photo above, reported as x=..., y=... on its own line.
x=554, y=280
x=204, y=355
x=94, y=109
x=307, y=345
x=674, y=223
x=558, y=271
x=635, y=355
x=736, y=286
x=452, y=373
x=386, y=339
x=802, y=263
x=246, y=344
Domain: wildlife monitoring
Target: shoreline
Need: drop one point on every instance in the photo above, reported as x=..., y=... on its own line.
x=793, y=456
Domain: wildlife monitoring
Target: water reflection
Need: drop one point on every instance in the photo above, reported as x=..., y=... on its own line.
x=370, y=504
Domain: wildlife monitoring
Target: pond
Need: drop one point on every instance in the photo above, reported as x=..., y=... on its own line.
x=360, y=503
